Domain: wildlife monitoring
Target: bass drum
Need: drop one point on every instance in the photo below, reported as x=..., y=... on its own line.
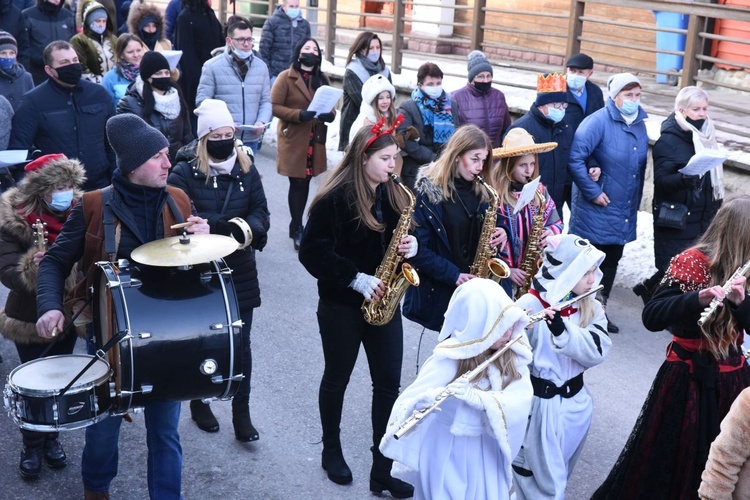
x=182, y=332
x=33, y=400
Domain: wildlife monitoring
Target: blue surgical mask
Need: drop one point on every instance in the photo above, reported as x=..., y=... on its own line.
x=555, y=114
x=97, y=29
x=575, y=82
x=243, y=54
x=373, y=56
x=293, y=13
x=7, y=62
x=629, y=107
x=433, y=92
x=61, y=200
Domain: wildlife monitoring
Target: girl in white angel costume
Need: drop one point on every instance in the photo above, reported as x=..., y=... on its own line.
x=465, y=450
x=570, y=341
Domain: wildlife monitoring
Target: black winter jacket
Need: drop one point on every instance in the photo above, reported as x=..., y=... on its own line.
x=11, y=20
x=280, y=36
x=196, y=34
x=59, y=120
x=575, y=114
x=14, y=83
x=553, y=166
x=177, y=131
x=44, y=25
x=336, y=245
x=246, y=199
x=672, y=151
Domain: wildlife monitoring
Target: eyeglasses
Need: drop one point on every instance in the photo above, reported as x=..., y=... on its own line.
x=559, y=105
x=244, y=41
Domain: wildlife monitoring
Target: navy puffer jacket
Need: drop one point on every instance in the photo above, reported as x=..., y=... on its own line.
x=280, y=36
x=246, y=199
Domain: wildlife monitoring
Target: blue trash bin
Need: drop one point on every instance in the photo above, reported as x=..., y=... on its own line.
x=669, y=41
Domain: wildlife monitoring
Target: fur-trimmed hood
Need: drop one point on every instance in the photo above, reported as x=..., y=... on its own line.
x=425, y=186
x=140, y=10
x=85, y=7
x=55, y=175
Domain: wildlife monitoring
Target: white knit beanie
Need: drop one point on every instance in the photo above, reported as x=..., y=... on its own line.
x=618, y=81
x=213, y=114
x=372, y=88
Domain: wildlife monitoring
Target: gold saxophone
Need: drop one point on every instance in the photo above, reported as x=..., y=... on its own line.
x=486, y=264
x=395, y=281
x=531, y=256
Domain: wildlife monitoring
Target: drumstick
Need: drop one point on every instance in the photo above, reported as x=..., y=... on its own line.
x=54, y=331
x=182, y=225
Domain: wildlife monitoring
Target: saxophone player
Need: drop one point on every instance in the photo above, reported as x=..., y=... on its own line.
x=528, y=229
x=449, y=216
x=350, y=227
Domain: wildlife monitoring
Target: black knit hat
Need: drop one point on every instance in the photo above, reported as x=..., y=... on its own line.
x=151, y=63
x=7, y=42
x=133, y=140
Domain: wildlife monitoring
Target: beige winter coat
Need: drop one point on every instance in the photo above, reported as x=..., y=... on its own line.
x=727, y=474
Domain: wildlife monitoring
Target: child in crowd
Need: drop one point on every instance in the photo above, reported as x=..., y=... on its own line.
x=570, y=341
x=378, y=96
x=465, y=450
x=519, y=166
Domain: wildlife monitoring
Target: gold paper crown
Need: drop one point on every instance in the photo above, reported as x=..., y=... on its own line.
x=553, y=82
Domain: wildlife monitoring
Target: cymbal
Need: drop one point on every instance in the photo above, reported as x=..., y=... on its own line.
x=184, y=250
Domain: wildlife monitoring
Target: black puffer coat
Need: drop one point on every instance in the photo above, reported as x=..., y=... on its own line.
x=672, y=151
x=44, y=23
x=177, y=131
x=280, y=36
x=246, y=200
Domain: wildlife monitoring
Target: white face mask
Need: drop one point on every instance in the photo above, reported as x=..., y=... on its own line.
x=97, y=29
x=433, y=92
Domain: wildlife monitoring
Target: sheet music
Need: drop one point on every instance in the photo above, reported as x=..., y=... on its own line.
x=704, y=160
x=325, y=99
x=12, y=157
x=527, y=194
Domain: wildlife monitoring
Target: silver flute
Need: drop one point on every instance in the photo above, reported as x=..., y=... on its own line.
x=419, y=415
x=711, y=309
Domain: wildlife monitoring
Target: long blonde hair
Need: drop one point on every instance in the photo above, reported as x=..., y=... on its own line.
x=501, y=178
x=726, y=243
x=445, y=169
x=391, y=110
x=505, y=364
x=202, y=158
x=350, y=175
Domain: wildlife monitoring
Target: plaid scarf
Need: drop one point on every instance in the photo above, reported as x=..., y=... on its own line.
x=436, y=115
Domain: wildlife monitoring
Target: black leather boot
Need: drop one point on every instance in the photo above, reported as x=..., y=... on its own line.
x=54, y=454
x=611, y=327
x=31, y=454
x=333, y=461
x=243, y=427
x=298, y=238
x=203, y=416
x=381, y=479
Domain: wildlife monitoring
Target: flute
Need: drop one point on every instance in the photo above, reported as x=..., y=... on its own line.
x=420, y=415
x=709, y=311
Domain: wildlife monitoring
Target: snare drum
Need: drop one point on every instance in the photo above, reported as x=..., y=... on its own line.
x=183, y=332
x=32, y=393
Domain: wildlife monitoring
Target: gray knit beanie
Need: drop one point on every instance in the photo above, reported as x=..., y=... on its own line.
x=478, y=63
x=133, y=140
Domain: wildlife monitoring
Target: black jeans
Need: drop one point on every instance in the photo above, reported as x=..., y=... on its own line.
x=342, y=330
x=609, y=265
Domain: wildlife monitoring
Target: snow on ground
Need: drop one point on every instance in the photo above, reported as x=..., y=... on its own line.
x=638, y=258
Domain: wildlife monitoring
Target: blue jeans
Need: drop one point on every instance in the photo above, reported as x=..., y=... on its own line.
x=100, y=453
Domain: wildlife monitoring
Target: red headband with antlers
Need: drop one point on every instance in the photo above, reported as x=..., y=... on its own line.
x=379, y=129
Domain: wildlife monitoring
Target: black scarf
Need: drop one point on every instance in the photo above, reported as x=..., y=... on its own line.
x=142, y=203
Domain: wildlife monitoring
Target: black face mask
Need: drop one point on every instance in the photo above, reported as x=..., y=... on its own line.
x=698, y=124
x=221, y=149
x=483, y=87
x=150, y=39
x=162, y=83
x=70, y=74
x=309, y=60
